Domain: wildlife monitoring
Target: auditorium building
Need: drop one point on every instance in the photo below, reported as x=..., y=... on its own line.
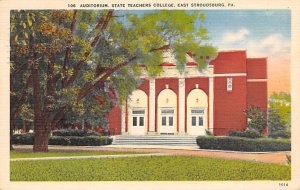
x=194, y=101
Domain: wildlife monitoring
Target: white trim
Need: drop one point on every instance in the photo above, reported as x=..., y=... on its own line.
x=257, y=80
x=152, y=105
x=211, y=104
x=181, y=114
x=123, y=123
x=230, y=75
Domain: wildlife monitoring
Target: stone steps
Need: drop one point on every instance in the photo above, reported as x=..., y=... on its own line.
x=155, y=140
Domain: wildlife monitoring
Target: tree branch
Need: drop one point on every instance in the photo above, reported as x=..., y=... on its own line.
x=102, y=24
x=68, y=50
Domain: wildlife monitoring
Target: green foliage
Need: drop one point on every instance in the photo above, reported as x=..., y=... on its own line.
x=280, y=103
x=279, y=115
x=163, y=168
x=248, y=133
x=28, y=139
x=243, y=144
x=256, y=119
x=74, y=132
x=25, y=139
x=280, y=134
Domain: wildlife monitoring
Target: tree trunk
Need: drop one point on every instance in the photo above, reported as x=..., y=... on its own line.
x=11, y=134
x=41, y=139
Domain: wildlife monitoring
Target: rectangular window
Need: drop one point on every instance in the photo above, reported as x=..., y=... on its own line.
x=163, y=121
x=199, y=111
x=141, y=121
x=138, y=111
x=167, y=111
x=200, y=121
x=134, y=121
x=170, y=121
x=229, y=84
x=193, y=121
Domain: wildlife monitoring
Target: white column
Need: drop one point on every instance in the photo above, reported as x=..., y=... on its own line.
x=123, y=124
x=211, y=104
x=181, y=105
x=152, y=106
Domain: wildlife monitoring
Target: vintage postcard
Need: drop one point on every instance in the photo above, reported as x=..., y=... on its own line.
x=150, y=94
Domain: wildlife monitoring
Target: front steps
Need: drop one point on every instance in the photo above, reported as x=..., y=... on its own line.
x=155, y=140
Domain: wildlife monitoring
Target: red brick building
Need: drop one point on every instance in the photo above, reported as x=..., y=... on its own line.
x=194, y=101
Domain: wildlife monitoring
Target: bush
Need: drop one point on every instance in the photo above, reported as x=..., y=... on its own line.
x=59, y=140
x=247, y=134
x=280, y=134
x=243, y=144
x=74, y=132
x=28, y=139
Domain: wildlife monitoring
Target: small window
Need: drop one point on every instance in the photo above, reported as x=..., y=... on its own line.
x=200, y=121
x=138, y=112
x=163, y=121
x=134, y=121
x=170, y=121
x=141, y=121
x=229, y=84
x=199, y=111
x=193, y=121
x=167, y=111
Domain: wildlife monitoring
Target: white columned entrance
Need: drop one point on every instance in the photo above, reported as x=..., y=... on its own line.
x=211, y=104
x=151, y=106
x=167, y=112
x=181, y=105
x=197, y=112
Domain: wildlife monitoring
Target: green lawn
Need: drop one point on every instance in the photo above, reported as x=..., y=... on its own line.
x=58, y=153
x=164, y=168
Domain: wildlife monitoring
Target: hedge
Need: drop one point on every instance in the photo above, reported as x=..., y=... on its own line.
x=280, y=134
x=28, y=139
x=74, y=132
x=247, y=134
x=243, y=144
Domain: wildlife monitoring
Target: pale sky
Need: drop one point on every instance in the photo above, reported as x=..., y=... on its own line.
x=263, y=33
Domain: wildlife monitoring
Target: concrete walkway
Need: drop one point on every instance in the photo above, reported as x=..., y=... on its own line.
x=261, y=157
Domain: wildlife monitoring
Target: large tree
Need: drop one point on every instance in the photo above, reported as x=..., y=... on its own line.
x=61, y=60
x=279, y=115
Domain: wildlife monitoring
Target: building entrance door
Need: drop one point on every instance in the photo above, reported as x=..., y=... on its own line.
x=138, y=122
x=167, y=121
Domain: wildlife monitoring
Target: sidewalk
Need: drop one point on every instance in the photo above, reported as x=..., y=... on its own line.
x=265, y=157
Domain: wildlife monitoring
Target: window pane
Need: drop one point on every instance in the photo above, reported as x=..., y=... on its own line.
x=200, y=121
x=141, y=121
x=193, y=121
x=167, y=111
x=134, y=123
x=163, y=121
x=170, y=121
x=138, y=112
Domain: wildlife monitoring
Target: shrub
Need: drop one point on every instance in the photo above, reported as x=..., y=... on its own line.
x=281, y=134
x=28, y=139
x=243, y=144
x=74, y=132
x=59, y=140
x=247, y=134
x=256, y=119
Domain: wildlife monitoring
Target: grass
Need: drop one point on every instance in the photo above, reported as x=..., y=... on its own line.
x=164, y=168
x=60, y=153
